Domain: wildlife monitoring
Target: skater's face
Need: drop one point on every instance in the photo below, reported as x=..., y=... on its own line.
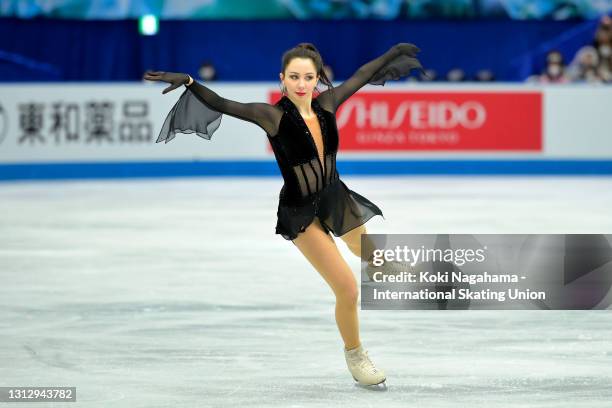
x=300, y=78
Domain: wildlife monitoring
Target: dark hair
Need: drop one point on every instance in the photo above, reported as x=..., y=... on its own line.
x=307, y=50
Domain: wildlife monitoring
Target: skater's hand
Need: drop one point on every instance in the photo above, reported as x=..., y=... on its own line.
x=407, y=48
x=175, y=79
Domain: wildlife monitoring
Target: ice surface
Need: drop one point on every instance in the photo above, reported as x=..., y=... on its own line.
x=177, y=293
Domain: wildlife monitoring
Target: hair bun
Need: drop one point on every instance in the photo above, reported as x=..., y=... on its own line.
x=308, y=46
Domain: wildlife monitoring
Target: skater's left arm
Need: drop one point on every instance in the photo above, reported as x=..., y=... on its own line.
x=334, y=97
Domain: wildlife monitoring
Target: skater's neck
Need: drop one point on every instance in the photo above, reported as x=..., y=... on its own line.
x=304, y=105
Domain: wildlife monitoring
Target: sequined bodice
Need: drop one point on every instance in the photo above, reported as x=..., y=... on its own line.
x=298, y=158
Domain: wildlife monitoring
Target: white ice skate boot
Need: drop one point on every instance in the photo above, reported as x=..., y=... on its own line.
x=388, y=268
x=362, y=368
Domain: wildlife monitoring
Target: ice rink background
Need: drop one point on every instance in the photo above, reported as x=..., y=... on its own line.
x=177, y=292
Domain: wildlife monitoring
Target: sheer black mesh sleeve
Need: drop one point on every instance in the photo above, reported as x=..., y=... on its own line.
x=199, y=111
x=393, y=64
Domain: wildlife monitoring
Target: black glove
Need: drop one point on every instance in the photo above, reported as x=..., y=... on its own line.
x=176, y=79
x=407, y=49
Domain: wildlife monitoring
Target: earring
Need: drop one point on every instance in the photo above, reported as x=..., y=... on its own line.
x=283, y=88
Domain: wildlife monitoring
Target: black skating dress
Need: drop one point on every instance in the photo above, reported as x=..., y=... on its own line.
x=312, y=187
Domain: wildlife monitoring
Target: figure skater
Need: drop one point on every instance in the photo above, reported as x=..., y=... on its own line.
x=313, y=201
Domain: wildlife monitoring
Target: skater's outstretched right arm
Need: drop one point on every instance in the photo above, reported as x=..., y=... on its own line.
x=264, y=115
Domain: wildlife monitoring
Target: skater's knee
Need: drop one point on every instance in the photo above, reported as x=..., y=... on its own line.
x=347, y=295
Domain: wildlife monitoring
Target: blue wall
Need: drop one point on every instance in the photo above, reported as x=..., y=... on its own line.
x=70, y=50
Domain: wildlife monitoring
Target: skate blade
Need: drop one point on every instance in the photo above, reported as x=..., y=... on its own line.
x=381, y=386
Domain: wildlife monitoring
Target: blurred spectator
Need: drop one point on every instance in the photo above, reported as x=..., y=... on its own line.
x=603, y=44
x=207, y=71
x=430, y=75
x=554, y=73
x=603, y=38
x=591, y=64
x=584, y=67
x=455, y=75
x=484, y=75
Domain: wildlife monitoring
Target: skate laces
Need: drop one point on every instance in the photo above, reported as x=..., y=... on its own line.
x=365, y=362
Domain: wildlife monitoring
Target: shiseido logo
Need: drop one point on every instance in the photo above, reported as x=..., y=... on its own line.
x=418, y=114
x=3, y=123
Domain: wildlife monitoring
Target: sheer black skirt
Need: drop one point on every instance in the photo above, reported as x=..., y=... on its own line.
x=339, y=209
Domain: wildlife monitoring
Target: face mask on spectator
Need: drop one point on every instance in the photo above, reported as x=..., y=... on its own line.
x=554, y=70
x=605, y=50
x=590, y=75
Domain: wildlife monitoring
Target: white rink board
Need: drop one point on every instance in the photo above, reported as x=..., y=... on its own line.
x=575, y=121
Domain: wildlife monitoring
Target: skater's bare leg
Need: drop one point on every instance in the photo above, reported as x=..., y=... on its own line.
x=321, y=251
x=352, y=239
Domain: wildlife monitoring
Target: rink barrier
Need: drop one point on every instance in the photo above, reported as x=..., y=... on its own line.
x=245, y=168
x=84, y=131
